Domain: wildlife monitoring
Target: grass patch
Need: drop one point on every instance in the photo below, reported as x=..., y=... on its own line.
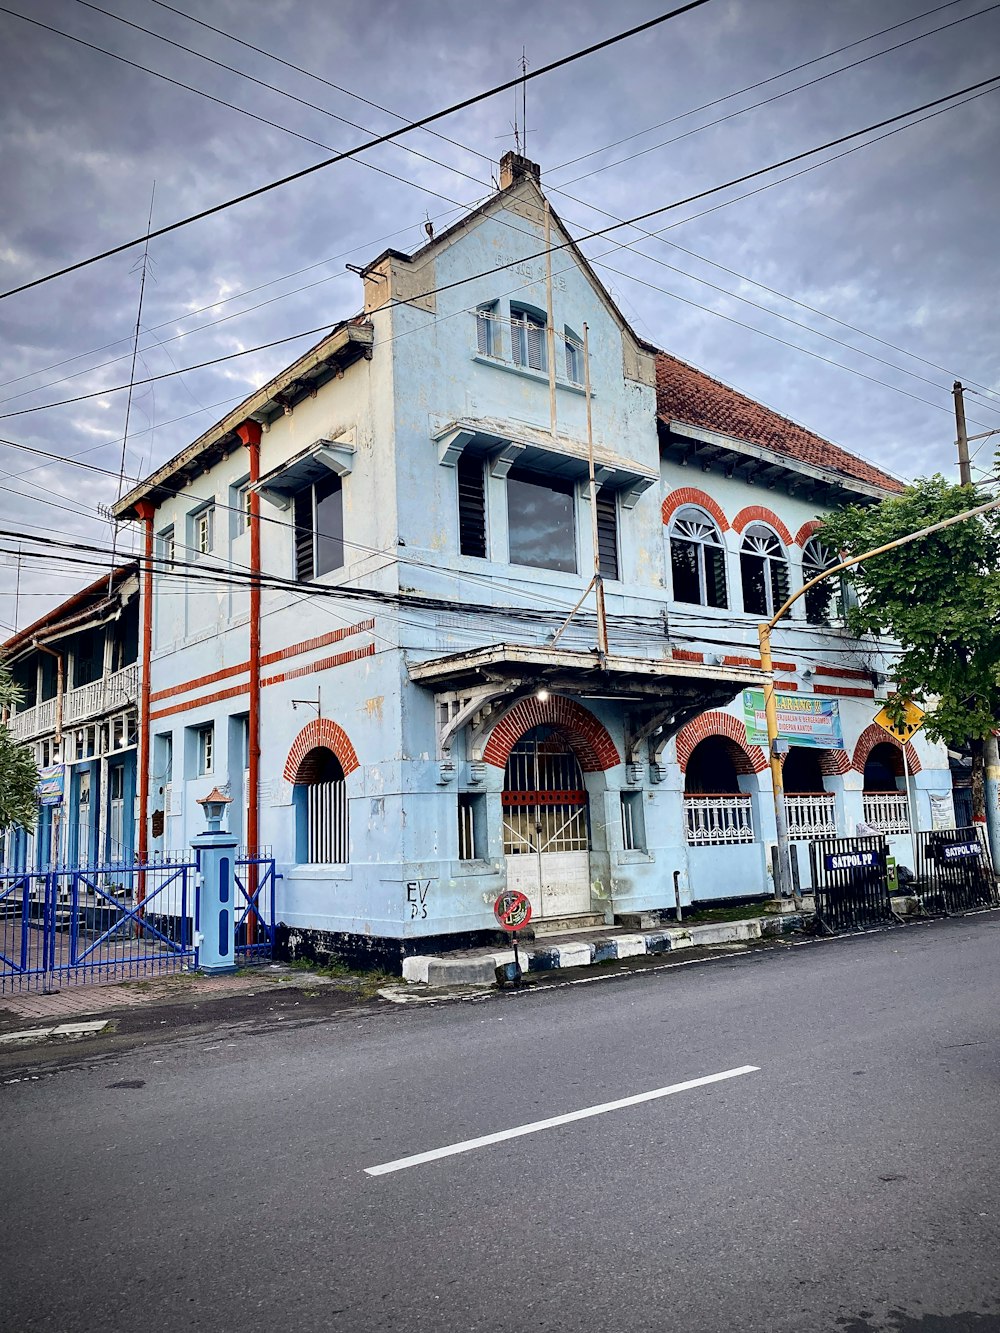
x=708, y=915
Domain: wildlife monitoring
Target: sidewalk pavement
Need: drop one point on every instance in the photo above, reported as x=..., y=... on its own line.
x=585, y=949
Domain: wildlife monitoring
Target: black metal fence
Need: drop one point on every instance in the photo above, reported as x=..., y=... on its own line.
x=850, y=882
x=954, y=872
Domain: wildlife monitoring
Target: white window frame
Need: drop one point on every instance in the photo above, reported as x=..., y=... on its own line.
x=203, y=530
x=761, y=542
x=522, y=322
x=488, y=338
x=205, y=739
x=694, y=526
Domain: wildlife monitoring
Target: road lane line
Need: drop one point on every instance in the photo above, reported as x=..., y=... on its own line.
x=467, y=1145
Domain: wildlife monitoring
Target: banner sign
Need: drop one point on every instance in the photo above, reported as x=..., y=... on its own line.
x=863, y=860
x=50, y=785
x=803, y=719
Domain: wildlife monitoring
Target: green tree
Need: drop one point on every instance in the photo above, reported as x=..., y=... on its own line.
x=18, y=774
x=939, y=598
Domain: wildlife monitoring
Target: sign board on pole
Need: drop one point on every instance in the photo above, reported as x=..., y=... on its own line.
x=803, y=719
x=50, y=785
x=913, y=720
x=512, y=909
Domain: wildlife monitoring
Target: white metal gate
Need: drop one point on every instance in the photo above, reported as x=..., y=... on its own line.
x=546, y=830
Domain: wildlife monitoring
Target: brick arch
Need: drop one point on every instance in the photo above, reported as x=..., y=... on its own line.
x=719, y=724
x=758, y=514
x=807, y=530
x=874, y=735
x=591, y=742
x=832, y=763
x=321, y=732
x=690, y=495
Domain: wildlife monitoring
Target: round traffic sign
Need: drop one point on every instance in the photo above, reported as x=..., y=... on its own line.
x=512, y=910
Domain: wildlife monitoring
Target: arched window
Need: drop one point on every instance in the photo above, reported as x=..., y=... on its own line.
x=697, y=559
x=802, y=773
x=882, y=767
x=712, y=768
x=825, y=602
x=764, y=571
x=321, y=810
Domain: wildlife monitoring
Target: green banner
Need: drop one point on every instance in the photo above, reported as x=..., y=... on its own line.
x=803, y=719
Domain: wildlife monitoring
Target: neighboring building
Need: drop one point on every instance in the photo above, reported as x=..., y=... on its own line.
x=77, y=669
x=407, y=708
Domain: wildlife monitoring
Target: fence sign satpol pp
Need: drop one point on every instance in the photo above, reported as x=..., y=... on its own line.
x=512, y=909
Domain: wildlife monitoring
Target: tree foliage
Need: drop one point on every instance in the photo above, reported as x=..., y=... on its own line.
x=18, y=774
x=939, y=598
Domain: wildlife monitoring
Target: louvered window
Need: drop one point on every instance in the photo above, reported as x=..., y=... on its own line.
x=487, y=330
x=763, y=570
x=527, y=338
x=318, y=515
x=607, y=532
x=471, y=506
x=697, y=559
x=827, y=600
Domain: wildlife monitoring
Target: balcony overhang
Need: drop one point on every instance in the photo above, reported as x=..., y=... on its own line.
x=561, y=456
x=757, y=465
x=660, y=694
x=311, y=465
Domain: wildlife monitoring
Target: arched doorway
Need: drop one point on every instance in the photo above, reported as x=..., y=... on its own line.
x=319, y=795
x=811, y=810
x=546, y=824
x=717, y=812
x=885, y=805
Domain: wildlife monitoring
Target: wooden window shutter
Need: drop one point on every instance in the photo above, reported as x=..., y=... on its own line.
x=302, y=516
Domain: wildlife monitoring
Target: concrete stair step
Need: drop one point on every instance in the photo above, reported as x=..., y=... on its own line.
x=567, y=925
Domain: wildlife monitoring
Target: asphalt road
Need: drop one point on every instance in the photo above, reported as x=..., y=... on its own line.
x=850, y=1182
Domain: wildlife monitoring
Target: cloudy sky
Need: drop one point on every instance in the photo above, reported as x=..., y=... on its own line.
x=867, y=284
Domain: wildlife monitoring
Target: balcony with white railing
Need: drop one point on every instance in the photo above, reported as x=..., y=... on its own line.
x=886, y=811
x=811, y=816
x=107, y=695
x=718, y=820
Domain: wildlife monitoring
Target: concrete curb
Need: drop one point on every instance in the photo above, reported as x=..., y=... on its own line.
x=480, y=968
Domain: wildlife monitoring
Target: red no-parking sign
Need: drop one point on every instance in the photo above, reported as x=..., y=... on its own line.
x=512, y=910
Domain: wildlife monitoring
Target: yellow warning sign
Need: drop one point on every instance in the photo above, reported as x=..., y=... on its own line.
x=913, y=720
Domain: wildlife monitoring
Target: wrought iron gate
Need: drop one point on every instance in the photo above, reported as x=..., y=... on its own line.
x=954, y=872
x=546, y=829
x=850, y=882
x=73, y=925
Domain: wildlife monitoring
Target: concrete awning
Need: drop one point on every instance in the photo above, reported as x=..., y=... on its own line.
x=662, y=694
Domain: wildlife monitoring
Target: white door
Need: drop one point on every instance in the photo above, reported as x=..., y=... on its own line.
x=546, y=827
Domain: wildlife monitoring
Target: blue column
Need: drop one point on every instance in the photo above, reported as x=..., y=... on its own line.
x=214, y=936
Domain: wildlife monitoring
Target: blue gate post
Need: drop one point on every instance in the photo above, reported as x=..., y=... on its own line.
x=216, y=851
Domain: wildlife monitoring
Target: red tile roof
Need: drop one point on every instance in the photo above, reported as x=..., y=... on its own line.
x=690, y=396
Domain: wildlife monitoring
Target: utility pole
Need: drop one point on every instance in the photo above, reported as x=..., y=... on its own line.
x=962, y=440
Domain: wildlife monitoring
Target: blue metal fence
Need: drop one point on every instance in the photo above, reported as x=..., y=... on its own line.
x=71, y=925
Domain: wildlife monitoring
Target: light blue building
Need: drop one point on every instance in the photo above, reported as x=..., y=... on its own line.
x=78, y=672
x=420, y=708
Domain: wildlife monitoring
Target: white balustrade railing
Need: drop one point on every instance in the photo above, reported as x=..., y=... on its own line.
x=886, y=811
x=715, y=821
x=112, y=692
x=811, y=816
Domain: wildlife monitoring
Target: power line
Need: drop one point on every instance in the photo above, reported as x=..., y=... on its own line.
x=749, y=88
x=985, y=85
x=348, y=153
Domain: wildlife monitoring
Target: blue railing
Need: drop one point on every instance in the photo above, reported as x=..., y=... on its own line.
x=69, y=925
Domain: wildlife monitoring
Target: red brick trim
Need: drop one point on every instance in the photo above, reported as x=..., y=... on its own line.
x=755, y=662
x=591, y=742
x=202, y=699
x=758, y=514
x=807, y=530
x=834, y=763
x=689, y=495
x=845, y=673
x=789, y=686
x=355, y=655
x=874, y=735
x=199, y=681
x=321, y=732
x=719, y=724
x=686, y=655
x=844, y=691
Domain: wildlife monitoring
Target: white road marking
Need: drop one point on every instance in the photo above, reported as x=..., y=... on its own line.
x=435, y=1154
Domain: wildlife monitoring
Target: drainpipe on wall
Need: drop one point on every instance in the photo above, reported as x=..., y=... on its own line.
x=250, y=433
x=145, y=510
